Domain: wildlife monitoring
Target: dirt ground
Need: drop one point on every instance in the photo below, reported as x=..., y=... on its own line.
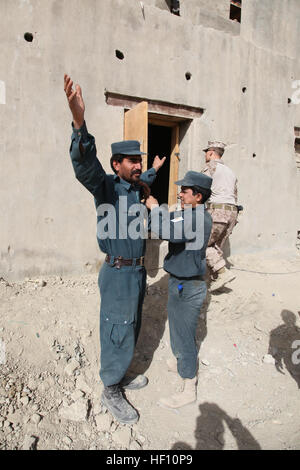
x=249, y=379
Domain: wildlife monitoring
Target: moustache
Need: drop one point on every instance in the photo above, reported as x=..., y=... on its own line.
x=136, y=172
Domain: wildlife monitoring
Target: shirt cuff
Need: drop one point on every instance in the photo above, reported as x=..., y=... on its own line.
x=81, y=133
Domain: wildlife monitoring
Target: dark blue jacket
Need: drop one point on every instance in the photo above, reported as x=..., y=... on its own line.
x=182, y=260
x=107, y=189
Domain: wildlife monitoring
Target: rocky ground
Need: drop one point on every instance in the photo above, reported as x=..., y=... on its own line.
x=248, y=388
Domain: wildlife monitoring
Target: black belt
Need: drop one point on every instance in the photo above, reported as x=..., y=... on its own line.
x=120, y=261
x=196, y=278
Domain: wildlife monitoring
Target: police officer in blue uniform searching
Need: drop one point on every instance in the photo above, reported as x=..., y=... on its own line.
x=188, y=233
x=122, y=278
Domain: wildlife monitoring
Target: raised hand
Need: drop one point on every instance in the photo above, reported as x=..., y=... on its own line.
x=75, y=101
x=158, y=162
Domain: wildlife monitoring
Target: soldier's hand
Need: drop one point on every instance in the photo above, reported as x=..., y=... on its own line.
x=75, y=101
x=158, y=162
x=150, y=202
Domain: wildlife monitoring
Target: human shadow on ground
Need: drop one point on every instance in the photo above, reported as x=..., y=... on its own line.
x=210, y=431
x=284, y=346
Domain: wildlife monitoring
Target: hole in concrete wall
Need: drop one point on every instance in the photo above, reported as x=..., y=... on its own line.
x=244, y=89
x=119, y=54
x=253, y=155
x=174, y=6
x=28, y=37
x=235, y=10
x=297, y=146
x=289, y=100
x=188, y=75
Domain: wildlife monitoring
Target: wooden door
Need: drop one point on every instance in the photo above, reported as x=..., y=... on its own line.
x=136, y=127
x=174, y=166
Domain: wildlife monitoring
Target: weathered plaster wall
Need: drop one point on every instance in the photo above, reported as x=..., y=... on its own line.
x=47, y=218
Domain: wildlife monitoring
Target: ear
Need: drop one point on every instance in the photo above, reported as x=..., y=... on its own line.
x=116, y=165
x=199, y=198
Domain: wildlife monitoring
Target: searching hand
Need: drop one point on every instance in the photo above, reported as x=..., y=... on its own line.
x=150, y=202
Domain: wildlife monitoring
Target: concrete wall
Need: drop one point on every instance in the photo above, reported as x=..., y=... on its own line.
x=47, y=219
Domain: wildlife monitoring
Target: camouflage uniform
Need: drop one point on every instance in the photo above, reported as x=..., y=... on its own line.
x=222, y=207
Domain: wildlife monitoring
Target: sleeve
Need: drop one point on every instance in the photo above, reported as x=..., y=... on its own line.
x=209, y=169
x=88, y=170
x=169, y=225
x=148, y=176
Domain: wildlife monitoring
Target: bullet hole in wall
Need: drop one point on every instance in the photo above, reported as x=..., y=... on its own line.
x=119, y=54
x=188, y=75
x=28, y=37
x=254, y=155
x=289, y=100
x=244, y=89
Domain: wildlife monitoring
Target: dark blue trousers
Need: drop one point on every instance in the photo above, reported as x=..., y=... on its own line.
x=184, y=306
x=122, y=294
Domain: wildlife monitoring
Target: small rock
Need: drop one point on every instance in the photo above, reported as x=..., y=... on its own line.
x=14, y=418
x=97, y=408
x=77, y=395
x=71, y=367
x=141, y=438
x=205, y=362
x=6, y=424
x=30, y=443
x=36, y=418
x=113, y=427
x=67, y=440
x=268, y=359
x=24, y=400
x=134, y=445
x=123, y=436
x=42, y=283
x=75, y=412
x=82, y=385
x=103, y=422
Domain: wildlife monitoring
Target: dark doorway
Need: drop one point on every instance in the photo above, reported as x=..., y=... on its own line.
x=235, y=10
x=159, y=143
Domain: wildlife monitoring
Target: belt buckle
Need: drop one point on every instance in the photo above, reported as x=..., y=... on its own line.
x=117, y=262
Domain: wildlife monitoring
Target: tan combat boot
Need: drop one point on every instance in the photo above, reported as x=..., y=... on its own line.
x=224, y=276
x=187, y=396
x=172, y=364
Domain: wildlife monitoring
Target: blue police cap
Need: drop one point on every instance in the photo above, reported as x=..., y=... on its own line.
x=194, y=178
x=126, y=147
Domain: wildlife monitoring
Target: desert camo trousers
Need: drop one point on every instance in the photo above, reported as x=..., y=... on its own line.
x=223, y=224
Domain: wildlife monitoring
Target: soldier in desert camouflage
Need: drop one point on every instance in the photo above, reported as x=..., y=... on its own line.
x=222, y=205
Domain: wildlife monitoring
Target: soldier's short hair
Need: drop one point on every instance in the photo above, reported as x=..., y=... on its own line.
x=217, y=150
x=206, y=193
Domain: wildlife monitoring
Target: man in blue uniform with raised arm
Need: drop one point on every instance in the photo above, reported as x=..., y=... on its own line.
x=188, y=233
x=122, y=278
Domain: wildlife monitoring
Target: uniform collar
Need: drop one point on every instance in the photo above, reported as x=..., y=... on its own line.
x=126, y=184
